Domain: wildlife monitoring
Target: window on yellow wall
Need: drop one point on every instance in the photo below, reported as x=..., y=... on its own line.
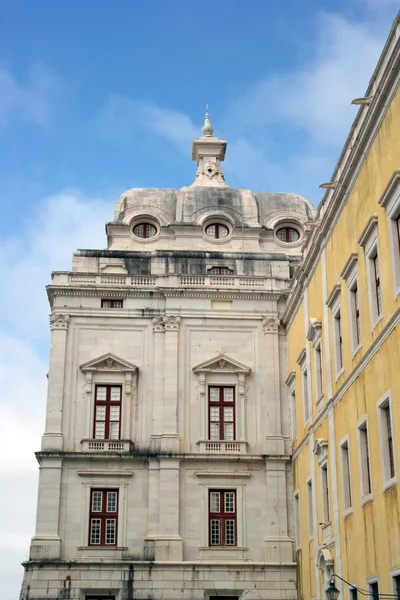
x=310, y=508
x=296, y=498
x=318, y=370
x=385, y=424
x=346, y=477
x=365, y=460
x=325, y=493
x=391, y=201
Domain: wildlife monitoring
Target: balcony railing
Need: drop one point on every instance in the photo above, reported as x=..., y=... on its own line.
x=169, y=281
x=106, y=445
x=222, y=447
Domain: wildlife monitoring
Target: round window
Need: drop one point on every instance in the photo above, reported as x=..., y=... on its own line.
x=287, y=234
x=144, y=230
x=217, y=231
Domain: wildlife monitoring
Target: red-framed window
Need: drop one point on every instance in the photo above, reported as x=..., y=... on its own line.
x=378, y=290
x=217, y=231
x=287, y=234
x=107, y=412
x=221, y=413
x=389, y=438
x=111, y=303
x=103, y=522
x=222, y=518
x=339, y=340
x=144, y=230
x=356, y=309
x=220, y=271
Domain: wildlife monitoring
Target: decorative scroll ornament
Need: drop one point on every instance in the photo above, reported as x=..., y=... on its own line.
x=271, y=324
x=158, y=324
x=171, y=323
x=59, y=321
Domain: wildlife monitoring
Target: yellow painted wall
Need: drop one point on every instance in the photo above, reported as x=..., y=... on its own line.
x=370, y=536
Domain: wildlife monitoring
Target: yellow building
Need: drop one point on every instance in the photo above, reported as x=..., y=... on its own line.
x=342, y=321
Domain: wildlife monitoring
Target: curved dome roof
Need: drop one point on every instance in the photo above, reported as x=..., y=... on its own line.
x=192, y=204
x=209, y=194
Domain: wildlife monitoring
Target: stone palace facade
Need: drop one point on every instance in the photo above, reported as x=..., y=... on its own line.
x=165, y=463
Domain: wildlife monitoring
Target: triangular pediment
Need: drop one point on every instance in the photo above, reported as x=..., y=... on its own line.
x=219, y=363
x=108, y=362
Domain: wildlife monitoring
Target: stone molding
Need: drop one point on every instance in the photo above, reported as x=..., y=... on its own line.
x=171, y=323
x=158, y=325
x=59, y=321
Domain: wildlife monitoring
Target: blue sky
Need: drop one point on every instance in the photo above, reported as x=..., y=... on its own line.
x=98, y=97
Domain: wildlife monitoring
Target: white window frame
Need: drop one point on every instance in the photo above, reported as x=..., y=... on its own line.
x=363, y=463
x=394, y=573
x=326, y=493
x=350, y=275
x=97, y=479
x=352, y=586
x=390, y=200
x=310, y=508
x=291, y=383
x=337, y=327
x=369, y=241
x=370, y=580
x=386, y=401
x=305, y=386
x=319, y=377
x=297, y=516
x=210, y=481
x=346, y=478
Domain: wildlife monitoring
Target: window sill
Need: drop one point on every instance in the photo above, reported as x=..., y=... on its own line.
x=390, y=483
x=223, y=548
x=375, y=322
x=108, y=548
x=339, y=373
x=349, y=511
x=366, y=499
x=355, y=351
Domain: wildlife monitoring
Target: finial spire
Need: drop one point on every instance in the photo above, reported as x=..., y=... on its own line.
x=208, y=129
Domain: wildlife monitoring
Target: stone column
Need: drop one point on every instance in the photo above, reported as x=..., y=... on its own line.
x=278, y=547
x=46, y=542
x=169, y=543
x=274, y=440
x=158, y=387
x=53, y=437
x=170, y=441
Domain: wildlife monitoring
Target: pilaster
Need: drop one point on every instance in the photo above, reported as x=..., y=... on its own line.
x=274, y=443
x=170, y=441
x=53, y=438
x=46, y=542
x=278, y=547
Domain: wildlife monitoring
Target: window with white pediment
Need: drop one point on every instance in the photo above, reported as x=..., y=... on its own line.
x=109, y=384
x=221, y=385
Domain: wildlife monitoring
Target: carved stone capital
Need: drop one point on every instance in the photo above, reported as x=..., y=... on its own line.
x=158, y=325
x=59, y=321
x=171, y=323
x=271, y=324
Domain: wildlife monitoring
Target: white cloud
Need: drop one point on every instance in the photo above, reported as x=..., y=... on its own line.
x=29, y=101
x=316, y=98
x=63, y=223
x=122, y=115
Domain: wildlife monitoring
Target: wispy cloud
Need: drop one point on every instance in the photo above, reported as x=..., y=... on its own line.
x=309, y=105
x=63, y=222
x=122, y=115
x=32, y=100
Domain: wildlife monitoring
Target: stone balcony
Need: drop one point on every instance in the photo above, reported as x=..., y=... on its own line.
x=154, y=282
x=106, y=445
x=222, y=447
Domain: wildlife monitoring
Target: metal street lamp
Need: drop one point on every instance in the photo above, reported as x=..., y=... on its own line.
x=332, y=593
